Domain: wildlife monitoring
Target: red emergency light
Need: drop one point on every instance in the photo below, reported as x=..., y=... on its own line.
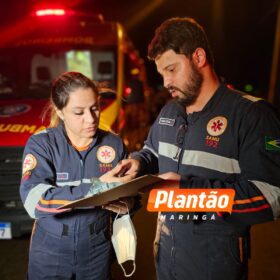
x=50, y=12
x=127, y=91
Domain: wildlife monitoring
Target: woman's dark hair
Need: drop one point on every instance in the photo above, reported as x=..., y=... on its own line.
x=61, y=89
x=182, y=35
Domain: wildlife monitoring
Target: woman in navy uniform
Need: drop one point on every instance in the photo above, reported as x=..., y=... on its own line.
x=58, y=167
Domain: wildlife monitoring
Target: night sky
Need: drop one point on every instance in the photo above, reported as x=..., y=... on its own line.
x=241, y=32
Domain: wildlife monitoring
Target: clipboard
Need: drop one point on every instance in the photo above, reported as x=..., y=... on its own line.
x=132, y=188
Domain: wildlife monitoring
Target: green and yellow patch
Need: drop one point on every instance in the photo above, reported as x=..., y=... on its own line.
x=272, y=144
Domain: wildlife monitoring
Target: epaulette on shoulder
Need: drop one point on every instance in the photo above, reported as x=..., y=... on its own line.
x=41, y=131
x=251, y=97
x=247, y=96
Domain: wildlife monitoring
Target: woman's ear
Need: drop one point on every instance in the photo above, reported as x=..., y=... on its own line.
x=59, y=113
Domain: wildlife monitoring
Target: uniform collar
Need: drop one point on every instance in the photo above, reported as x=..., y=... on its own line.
x=214, y=100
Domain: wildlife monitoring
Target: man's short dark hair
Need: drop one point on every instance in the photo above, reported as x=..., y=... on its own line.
x=182, y=35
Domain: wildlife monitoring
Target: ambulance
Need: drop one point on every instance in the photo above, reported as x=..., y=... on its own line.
x=32, y=54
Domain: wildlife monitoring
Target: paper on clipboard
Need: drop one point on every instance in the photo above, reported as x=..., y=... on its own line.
x=131, y=188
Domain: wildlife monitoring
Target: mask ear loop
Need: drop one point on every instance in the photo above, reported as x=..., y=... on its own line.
x=134, y=265
x=131, y=273
x=119, y=212
x=125, y=205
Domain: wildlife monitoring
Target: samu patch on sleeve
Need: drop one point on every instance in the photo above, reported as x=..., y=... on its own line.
x=29, y=163
x=25, y=176
x=272, y=143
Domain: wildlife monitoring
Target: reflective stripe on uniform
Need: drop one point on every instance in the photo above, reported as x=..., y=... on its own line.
x=33, y=198
x=73, y=183
x=168, y=150
x=211, y=161
x=87, y=181
x=272, y=195
x=69, y=183
x=151, y=150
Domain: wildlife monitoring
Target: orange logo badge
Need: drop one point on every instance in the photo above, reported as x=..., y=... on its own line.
x=190, y=200
x=217, y=126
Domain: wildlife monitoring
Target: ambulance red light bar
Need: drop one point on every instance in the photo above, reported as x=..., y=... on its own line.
x=50, y=12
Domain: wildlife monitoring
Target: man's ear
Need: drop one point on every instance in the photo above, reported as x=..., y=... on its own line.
x=199, y=57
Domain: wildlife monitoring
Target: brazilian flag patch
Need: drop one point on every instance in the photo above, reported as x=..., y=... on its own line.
x=272, y=144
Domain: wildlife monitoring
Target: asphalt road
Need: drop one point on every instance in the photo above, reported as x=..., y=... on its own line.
x=264, y=263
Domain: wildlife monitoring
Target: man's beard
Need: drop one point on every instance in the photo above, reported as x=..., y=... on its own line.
x=191, y=88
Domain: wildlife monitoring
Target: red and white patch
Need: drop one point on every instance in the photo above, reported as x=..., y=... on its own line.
x=106, y=154
x=29, y=163
x=217, y=126
x=25, y=176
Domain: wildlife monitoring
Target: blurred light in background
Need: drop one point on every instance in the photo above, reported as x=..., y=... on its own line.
x=248, y=88
x=50, y=12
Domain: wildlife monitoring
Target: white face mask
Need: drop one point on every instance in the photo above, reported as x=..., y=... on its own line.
x=124, y=241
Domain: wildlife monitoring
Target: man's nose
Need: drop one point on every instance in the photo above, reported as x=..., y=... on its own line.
x=167, y=82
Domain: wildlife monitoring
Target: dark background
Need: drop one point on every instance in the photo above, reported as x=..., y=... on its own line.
x=241, y=32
